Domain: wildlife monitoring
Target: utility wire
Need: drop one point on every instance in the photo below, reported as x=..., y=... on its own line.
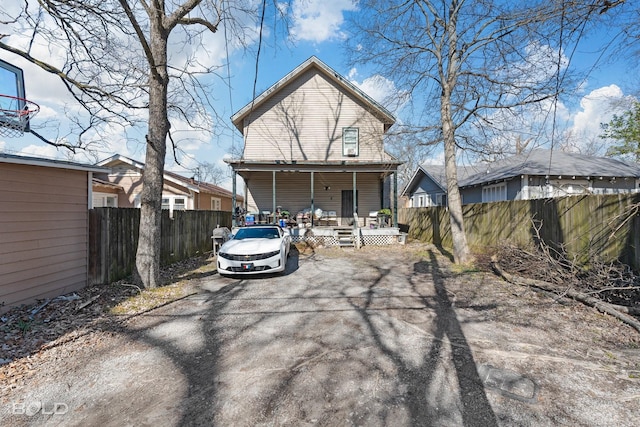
x=255, y=78
x=226, y=48
x=556, y=94
x=559, y=79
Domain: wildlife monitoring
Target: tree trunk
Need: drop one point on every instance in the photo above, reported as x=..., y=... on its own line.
x=148, y=252
x=461, y=253
x=454, y=201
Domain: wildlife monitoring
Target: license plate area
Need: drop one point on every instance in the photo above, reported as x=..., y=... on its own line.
x=247, y=266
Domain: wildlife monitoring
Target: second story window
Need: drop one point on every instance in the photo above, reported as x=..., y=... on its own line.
x=350, y=141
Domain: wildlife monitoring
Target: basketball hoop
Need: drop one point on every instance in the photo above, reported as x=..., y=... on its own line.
x=15, y=114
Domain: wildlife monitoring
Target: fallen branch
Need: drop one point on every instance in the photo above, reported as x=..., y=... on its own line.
x=578, y=296
x=86, y=303
x=131, y=286
x=626, y=309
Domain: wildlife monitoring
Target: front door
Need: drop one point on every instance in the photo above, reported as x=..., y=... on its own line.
x=347, y=210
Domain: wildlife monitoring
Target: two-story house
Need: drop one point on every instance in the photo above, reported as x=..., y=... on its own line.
x=314, y=142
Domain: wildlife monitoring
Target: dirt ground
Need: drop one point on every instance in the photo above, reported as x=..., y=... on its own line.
x=372, y=337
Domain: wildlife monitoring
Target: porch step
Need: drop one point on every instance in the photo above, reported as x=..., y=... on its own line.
x=345, y=237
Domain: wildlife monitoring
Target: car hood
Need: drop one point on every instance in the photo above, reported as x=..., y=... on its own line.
x=250, y=246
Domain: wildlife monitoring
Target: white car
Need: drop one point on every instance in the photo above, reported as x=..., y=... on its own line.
x=255, y=249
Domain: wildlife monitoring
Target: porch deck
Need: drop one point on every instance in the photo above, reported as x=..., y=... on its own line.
x=348, y=236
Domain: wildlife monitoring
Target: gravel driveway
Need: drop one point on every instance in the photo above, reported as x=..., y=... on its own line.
x=376, y=337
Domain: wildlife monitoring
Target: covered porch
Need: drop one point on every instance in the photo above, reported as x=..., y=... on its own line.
x=318, y=194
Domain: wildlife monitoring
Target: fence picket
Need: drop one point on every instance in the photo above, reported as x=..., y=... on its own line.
x=113, y=239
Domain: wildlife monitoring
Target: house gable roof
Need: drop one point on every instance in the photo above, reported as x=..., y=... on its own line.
x=378, y=110
x=190, y=184
x=436, y=173
x=431, y=171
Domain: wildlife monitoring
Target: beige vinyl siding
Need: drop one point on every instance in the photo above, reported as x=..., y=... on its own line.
x=43, y=232
x=293, y=191
x=304, y=121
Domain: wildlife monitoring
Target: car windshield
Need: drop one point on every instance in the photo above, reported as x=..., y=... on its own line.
x=257, y=233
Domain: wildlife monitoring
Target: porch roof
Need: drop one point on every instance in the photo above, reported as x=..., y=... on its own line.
x=243, y=165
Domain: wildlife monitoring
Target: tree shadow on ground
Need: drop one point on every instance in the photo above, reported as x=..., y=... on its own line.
x=205, y=369
x=419, y=379
x=200, y=369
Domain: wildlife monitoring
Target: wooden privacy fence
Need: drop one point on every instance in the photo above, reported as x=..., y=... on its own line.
x=602, y=226
x=113, y=239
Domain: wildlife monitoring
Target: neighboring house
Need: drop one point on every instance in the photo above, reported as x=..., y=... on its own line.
x=534, y=175
x=44, y=237
x=105, y=194
x=121, y=187
x=313, y=141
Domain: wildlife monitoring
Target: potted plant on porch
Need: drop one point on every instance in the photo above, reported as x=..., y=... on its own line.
x=383, y=216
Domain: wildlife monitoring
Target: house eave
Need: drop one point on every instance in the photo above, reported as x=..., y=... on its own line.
x=61, y=164
x=383, y=114
x=241, y=165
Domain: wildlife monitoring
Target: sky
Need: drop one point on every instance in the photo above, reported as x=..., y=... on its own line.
x=318, y=28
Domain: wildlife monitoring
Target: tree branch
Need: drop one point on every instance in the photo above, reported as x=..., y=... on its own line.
x=578, y=296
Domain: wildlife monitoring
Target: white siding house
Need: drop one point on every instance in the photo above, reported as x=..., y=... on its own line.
x=315, y=141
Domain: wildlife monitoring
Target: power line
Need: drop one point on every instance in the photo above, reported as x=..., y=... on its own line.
x=226, y=47
x=255, y=78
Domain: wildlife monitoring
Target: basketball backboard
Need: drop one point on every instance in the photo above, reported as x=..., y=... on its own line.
x=15, y=110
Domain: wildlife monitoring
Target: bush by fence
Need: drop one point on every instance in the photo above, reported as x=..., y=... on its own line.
x=605, y=226
x=113, y=239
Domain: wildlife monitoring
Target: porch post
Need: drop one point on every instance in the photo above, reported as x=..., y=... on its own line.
x=233, y=200
x=312, y=199
x=395, y=199
x=273, y=211
x=355, y=198
x=246, y=197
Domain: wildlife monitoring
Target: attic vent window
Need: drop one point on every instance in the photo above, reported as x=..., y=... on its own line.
x=350, y=139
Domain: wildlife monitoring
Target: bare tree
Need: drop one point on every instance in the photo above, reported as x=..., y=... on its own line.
x=116, y=61
x=402, y=145
x=467, y=63
x=210, y=172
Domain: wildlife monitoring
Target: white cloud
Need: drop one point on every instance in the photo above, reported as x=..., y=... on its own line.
x=381, y=89
x=319, y=20
x=40, y=150
x=576, y=129
x=598, y=107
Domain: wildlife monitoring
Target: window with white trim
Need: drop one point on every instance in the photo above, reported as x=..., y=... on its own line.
x=494, y=193
x=179, y=204
x=166, y=203
x=350, y=138
x=174, y=203
x=441, y=199
x=104, y=200
x=216, y=204
x=421, y=201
